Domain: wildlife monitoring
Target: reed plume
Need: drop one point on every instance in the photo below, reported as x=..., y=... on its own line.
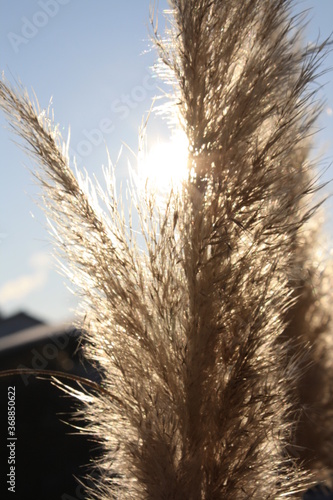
x=201, y=334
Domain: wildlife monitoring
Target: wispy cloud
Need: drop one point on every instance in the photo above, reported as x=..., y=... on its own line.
x=22, y=286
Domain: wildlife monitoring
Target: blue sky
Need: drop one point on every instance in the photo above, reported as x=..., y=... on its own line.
x=94, y=59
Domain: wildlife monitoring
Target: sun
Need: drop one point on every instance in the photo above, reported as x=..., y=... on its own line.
x=164, y=165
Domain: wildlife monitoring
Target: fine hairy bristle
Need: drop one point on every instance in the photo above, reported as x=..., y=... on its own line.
x=208, y=336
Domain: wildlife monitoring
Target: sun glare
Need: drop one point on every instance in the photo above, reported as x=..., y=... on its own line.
x=165, y=163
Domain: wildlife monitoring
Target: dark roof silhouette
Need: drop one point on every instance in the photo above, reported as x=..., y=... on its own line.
x=28, y=337
x=44, y=419
x=17, y=322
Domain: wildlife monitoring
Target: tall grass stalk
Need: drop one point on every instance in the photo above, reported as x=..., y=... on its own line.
x=205, y=337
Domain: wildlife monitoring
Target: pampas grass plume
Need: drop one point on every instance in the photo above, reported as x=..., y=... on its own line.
x=204, y=338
